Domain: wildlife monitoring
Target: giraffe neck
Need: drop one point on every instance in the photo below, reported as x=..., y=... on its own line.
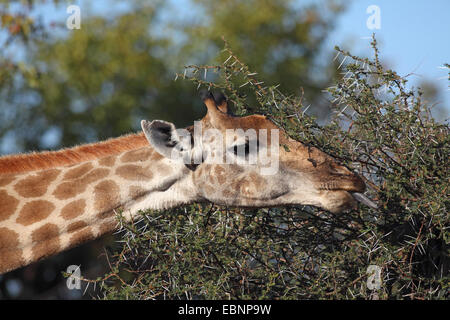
x=47, y=211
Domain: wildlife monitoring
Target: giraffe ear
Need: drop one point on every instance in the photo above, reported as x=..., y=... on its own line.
x=167, y=140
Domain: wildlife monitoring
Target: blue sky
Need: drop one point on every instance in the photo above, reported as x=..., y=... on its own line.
x=414, y=38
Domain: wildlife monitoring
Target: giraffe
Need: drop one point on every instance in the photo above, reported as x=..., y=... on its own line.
x=53, y=201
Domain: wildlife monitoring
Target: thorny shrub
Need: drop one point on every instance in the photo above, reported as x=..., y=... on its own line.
x=381, y=129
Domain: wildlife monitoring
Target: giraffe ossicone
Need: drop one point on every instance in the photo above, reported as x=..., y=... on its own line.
x=52, y=201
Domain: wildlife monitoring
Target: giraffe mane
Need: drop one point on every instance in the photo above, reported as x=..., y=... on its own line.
x=50, y=159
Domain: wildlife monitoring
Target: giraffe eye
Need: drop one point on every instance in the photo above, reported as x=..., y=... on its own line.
x=246, y=148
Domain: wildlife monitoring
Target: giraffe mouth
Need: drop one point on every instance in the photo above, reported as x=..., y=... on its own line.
x=354, y=186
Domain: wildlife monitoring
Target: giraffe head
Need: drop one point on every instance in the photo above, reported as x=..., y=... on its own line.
x=56, y=200
x=238, y=161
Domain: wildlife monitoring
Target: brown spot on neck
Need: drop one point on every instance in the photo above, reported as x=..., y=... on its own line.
x=8, y=205
x=36, y=185
x=107, y=198
x=35, y=211
x=46, y=240
x=10, y=254
x=134, y=172
x=73, y=209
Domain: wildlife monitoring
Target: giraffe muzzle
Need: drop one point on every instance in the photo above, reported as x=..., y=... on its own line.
x=352, y=184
